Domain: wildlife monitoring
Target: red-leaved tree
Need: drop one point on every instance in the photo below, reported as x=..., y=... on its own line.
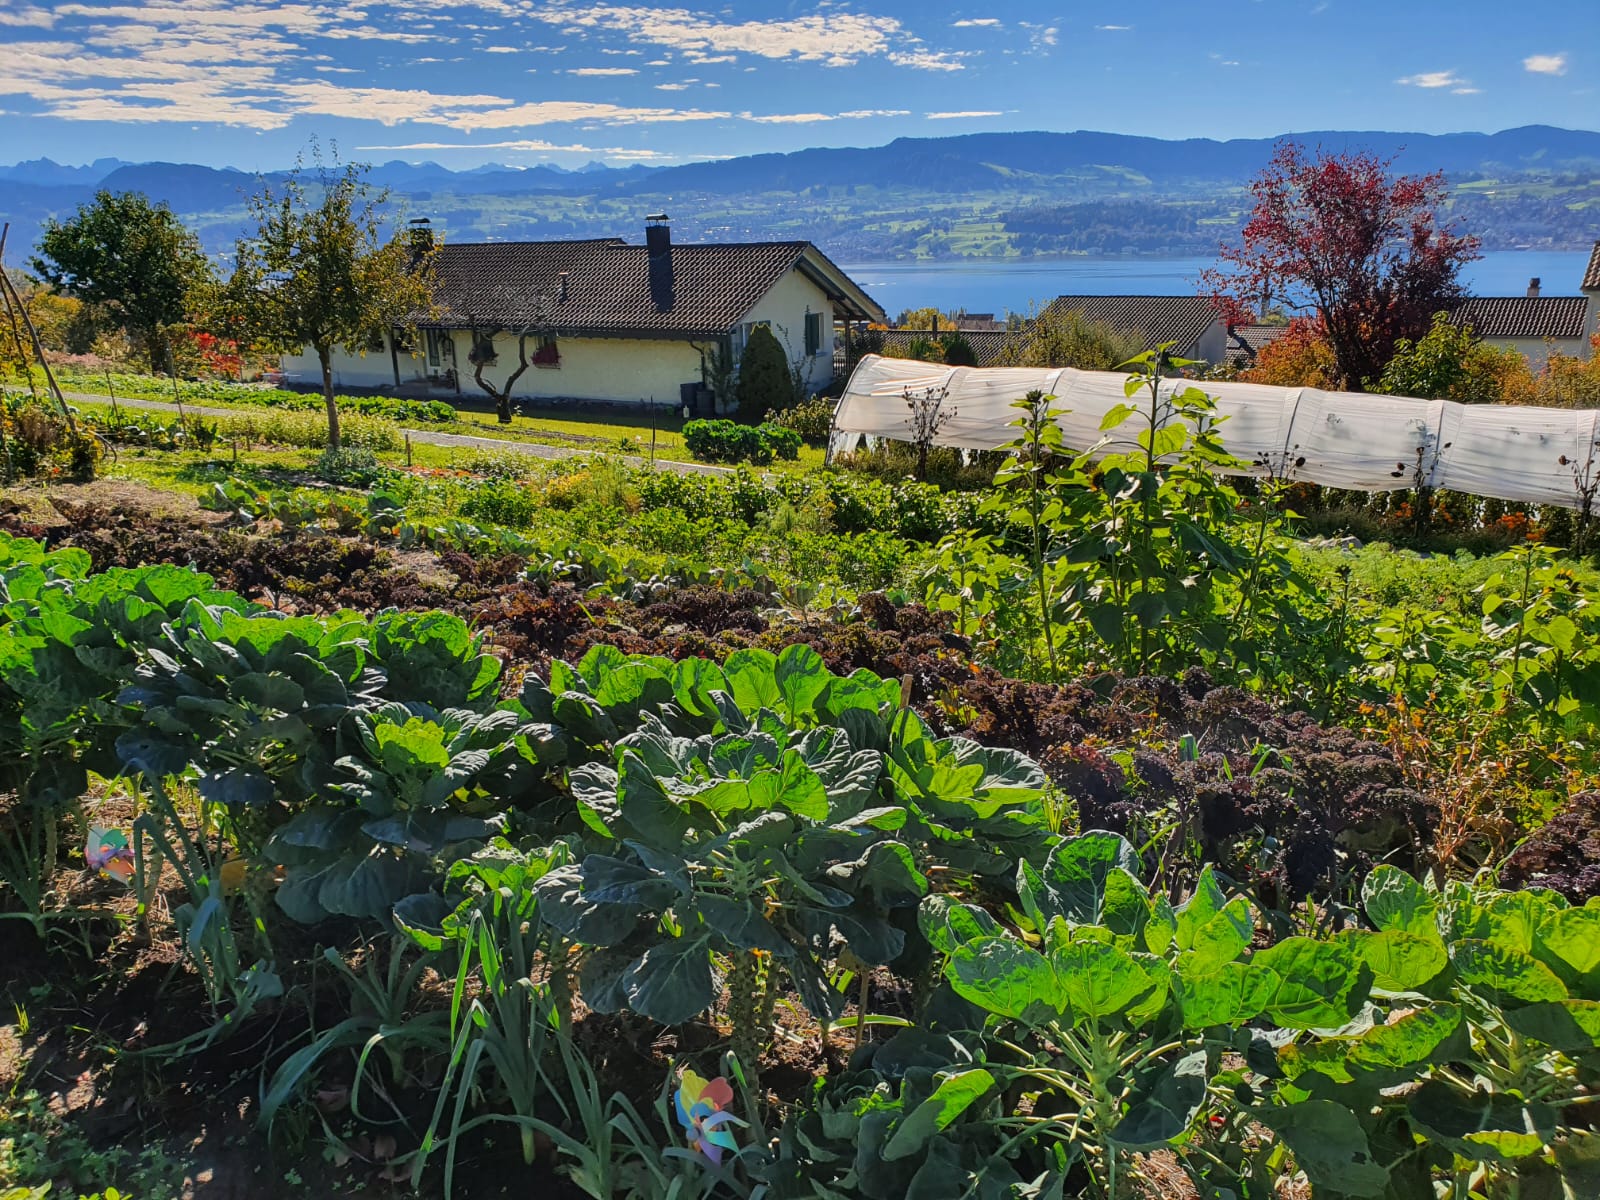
x=1338, y=237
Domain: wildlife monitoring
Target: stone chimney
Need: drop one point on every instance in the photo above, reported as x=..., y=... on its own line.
x=562, y=278
x=419, y=232
x=1533, y=288
x=658, y=244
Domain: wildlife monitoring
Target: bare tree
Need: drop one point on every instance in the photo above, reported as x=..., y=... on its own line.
x=536, y=326
x=926, y=418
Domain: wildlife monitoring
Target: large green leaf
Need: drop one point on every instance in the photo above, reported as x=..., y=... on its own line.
x=1004, y=977
x=1494, y=1126
x=801, y=676
x=752, y=679
x=1163, y=1115
x=1321, y=985
x=671, y=982
x=1505, y=974
x=948, y=924
x=1073, y=881
x=1098, y=981
x=1398, y=903
x=954, y=1095
x=1571, y=1026
x=1401, y=961
x=1329, y=1145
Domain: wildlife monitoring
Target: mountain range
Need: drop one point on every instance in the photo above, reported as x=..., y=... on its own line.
x=986, y=194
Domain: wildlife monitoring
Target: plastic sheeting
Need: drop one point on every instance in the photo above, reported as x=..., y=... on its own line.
x=1338, y=439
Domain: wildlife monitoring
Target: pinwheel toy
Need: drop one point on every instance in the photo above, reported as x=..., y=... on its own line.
x=702, y=1110
x=108, y=852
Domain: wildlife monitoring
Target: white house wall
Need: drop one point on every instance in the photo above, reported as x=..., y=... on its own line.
x=784, y=307
x=370, y=370
x=1538, y=350
x=618, y=370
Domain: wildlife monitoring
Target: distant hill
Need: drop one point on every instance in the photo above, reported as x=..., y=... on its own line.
x=976, y=195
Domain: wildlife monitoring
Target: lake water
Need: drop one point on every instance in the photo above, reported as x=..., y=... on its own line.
x=1000, y=286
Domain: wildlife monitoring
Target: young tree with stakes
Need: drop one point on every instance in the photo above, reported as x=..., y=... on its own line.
x=1338, y=236
x=320, y=273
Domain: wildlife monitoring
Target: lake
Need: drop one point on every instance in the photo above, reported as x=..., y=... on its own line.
x=1001, y=285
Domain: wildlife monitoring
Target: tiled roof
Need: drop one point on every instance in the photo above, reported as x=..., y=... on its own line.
x=608, y=285
x=987, y=345
x=1591, y=277
x=1523, y=316
x=1250, y=340
x=1161, y=319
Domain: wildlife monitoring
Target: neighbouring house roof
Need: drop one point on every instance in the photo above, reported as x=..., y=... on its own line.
x=1160, y=319
x=987, y=345
x=608, y=288
x=1248, y=341
x=1523, y=316
x=1591, y=277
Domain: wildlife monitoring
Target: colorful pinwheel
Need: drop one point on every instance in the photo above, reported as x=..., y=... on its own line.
x=108, y=852
x=702, y=1110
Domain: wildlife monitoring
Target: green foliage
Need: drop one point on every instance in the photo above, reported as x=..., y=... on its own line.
x=812, y=419
x=728, y=441
x=1447, y=363
x=1066, y=339
x=133, y=258
x=318, y=275
x=764, y=381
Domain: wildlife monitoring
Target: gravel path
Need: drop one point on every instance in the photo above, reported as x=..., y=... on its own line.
x=427, y=437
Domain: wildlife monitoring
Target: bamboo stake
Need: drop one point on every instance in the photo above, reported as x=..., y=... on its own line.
x=15, y=301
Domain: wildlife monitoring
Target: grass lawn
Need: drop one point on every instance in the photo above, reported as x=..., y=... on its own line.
x=611, y=430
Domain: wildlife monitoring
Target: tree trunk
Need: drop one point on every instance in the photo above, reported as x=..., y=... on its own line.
x=325, y=357
x=502, y=407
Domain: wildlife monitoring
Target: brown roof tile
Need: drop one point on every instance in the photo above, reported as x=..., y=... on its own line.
x=1523, y=316
x=1161, y=319
x=608, y=285
x=1591, y=277
x=1250, y=340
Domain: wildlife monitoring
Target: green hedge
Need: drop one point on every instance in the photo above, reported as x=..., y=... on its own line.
x=728, y=441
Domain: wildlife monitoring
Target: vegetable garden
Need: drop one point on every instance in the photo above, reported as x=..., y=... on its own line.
x=633, y=835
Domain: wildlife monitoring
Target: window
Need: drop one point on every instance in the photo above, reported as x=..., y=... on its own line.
x=546, y=355
x=375, y=343
x=438, y=347
x=813, y=334
x=482, y=348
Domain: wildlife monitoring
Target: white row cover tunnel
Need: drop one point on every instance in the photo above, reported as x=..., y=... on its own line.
x=1339, y=439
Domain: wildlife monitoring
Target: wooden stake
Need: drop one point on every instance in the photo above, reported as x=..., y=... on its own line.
x=408, y=449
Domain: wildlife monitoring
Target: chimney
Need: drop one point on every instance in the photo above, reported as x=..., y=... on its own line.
x=1533, y=286
x=562, y=294
x=419, y=232
x=658, y=243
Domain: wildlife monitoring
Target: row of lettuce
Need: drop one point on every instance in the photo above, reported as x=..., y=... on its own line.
x=670, y=839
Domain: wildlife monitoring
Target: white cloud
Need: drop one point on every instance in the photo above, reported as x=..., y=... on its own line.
x=501, y=50
x=960, y=116
x=788, y=118
x=862, y=113
x=835, y=37
x=1113, y=28
x=977, y=22
x=26, y=18
x=1433, y=79
x=1466, y=91
x=1546, y=64
x=538, y=146
x=602, y=71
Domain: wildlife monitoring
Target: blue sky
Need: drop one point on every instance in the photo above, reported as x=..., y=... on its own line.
x=248, y=82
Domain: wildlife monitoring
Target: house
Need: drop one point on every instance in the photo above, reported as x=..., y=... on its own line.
x=1192, y=323
x=1246, y=342
x=606, y=320
x=1537, y=326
